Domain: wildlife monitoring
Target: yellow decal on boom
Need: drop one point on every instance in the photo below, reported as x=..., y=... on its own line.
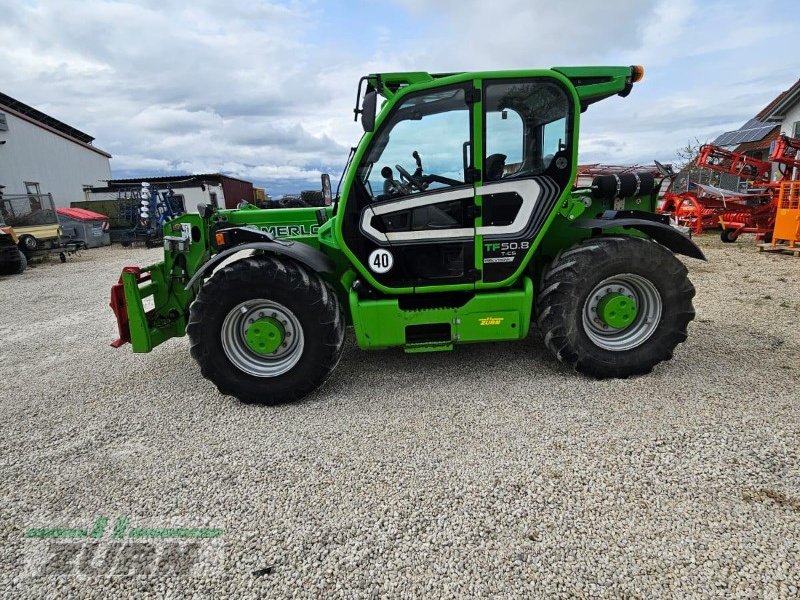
x=490, y=320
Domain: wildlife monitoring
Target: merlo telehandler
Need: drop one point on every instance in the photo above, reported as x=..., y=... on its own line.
x=480, y=237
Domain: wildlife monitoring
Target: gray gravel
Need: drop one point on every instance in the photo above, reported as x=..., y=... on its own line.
x=490, y=471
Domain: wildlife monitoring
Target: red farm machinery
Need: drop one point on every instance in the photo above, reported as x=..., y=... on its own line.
x=749, y=210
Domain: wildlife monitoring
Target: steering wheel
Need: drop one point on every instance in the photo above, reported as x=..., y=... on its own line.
x=408, y=177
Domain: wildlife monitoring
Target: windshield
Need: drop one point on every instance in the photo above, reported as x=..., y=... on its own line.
x=435, y=126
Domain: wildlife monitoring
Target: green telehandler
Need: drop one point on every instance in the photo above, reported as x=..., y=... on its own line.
x=482, y=235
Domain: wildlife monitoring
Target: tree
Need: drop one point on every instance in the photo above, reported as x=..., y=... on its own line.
x=687, y=155
x=686, y=167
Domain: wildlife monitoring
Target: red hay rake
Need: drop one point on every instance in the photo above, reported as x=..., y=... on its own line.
x=750, y=211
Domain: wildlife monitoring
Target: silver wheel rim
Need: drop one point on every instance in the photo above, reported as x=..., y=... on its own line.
x=649, y=307
x=236, y=348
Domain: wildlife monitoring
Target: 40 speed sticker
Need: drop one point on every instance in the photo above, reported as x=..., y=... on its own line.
x=380, y=261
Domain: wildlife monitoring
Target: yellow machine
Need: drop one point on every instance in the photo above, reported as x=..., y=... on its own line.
x=34, y=219
x=787, y=217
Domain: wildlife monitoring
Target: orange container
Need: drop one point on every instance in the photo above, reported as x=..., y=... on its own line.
x=787, y=218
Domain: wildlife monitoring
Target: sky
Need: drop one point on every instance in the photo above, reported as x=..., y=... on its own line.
x=264, y=91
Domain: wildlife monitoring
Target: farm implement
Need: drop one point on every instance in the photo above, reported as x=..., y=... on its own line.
x=751, y=210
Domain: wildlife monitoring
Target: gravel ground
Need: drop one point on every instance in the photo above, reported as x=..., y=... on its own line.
x=490, y=471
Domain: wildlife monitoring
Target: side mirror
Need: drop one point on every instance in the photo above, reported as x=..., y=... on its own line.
x=368, y=107
x=327, y=195
x=664, y=170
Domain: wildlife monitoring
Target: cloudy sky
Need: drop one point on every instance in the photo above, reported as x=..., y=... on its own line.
x=265, y=90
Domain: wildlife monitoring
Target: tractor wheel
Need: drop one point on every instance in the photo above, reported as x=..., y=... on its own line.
x=294, y=203
x=266, y=330
x=313, y=198
x=615, y=306
x=23, y=262
x=728, y=236
x=27, y=244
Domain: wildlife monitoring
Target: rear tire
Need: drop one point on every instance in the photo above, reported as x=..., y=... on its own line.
x=631, y=267
x=308, y=307
x=23, y=263
x=313, y=198
x=294, y=203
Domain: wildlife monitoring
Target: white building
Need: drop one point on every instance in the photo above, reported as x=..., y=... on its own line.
x=222, y=191
x=42, y=155
x=785, y=109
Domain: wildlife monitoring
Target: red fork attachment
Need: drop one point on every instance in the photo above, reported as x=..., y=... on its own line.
x=734, y=163
x=120, y=306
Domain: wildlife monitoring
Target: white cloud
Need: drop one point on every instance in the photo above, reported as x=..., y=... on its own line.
x=266, y=89
x=172, y=86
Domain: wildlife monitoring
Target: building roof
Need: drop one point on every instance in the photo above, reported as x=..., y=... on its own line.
x=28, y=113
x=762, y=144
x=752, y=131
x=759, y=131
x=777, y=109
x=44, y=119
x=199, y=178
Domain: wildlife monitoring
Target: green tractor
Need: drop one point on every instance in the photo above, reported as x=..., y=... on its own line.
x=482, y=235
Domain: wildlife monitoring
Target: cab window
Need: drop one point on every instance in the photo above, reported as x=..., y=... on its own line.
x=422, y=147
x=526, y=127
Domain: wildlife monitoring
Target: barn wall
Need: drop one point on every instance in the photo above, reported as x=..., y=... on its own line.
x=60, y=167
x=235, y=190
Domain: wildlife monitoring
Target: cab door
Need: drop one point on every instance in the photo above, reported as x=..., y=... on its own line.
x=411, y=210
x=527, y=160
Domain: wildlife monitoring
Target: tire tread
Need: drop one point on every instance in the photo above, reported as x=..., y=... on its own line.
x=564, y=280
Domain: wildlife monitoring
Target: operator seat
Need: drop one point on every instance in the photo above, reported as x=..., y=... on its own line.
x=495, y=163
x=391, y=187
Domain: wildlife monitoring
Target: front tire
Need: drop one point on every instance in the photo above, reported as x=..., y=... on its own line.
x=28, y=243
x=266, y=330
x=615, y=306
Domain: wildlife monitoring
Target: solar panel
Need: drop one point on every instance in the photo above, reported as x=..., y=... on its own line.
x=752, y=124
x=751, y=131
x=39, y=116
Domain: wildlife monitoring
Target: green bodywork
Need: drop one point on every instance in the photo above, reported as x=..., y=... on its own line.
x=485, y=311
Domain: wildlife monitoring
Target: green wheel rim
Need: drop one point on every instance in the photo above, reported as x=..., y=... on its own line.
x=625, y=329
x=617, y=310
x=261, y=321
x=265, y=335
